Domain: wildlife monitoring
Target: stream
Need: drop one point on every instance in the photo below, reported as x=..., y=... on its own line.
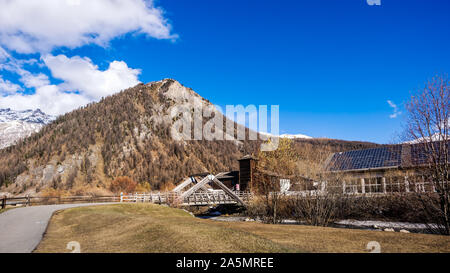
x=354, y=224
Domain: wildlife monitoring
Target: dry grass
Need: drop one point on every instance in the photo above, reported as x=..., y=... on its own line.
x=146, y=228
x=325, y=239
x=152, y=228
x=5, y=209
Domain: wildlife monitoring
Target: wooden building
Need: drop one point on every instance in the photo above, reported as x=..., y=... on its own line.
x=386, y=169
x=237, y=180
x=230, y=179
x=247, y=166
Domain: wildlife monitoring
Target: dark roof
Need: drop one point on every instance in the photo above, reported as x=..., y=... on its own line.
x=229, y=175
x=401, y=155
x=248, y=157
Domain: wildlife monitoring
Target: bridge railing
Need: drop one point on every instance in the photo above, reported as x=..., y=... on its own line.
x=197, y=198
x=246, y=196
x=152, y=197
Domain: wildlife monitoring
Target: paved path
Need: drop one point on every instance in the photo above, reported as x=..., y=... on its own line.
x=21, y=229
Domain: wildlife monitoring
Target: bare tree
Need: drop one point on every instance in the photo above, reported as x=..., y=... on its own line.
x=269, y=189
x=317, y=204
x=271, y=166
x=428, y=125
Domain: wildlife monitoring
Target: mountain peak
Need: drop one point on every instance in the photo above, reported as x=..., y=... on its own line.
x=178, y=93
x=15, y=125
x=29, y=115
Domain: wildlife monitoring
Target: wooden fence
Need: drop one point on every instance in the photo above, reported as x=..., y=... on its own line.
x=33, y=200
x=170, y=198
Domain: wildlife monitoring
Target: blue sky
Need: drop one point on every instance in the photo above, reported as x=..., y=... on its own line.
x=331, y=65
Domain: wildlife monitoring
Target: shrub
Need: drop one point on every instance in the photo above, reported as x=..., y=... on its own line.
x=123, y=184
x=315, y=210
x=256, y=209
x=401, y=207
x=272, y=210
x=168, y=186
x=143, y=187
x=51, y=195
x=324, y=210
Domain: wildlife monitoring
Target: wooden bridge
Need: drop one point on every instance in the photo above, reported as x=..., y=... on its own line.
x=205, y=198
x=191, y=192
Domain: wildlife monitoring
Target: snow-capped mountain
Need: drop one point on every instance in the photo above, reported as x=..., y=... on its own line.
x=290, y=136
x=295, y=136
x=434, y=137
x=30, y=116
x=15, y=125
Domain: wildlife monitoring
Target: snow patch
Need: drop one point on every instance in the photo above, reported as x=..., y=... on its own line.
x=381, y=224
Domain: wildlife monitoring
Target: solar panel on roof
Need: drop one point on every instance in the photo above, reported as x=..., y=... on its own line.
x=366, y=159
x=420, y=155
x=382, y=157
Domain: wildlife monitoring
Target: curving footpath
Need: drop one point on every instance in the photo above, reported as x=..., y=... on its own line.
x=21, y=229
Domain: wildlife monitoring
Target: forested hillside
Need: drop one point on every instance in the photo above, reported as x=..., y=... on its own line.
x=127, y=134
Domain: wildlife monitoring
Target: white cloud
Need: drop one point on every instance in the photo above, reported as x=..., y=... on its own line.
x=80, y=74
x=83, y=82
x=29, y=79
x=39, y=26
x=396, y=113
x=34, y=81
x=29, y=26
x=49, y=98
x=7, y=87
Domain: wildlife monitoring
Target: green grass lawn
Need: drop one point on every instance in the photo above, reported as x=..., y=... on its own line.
x=153, y=228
